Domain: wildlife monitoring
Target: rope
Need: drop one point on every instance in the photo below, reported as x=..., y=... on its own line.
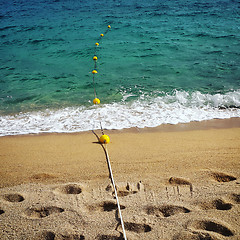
x=97, y=101
x=95, y=94
x=101, y=128
x=115, y=191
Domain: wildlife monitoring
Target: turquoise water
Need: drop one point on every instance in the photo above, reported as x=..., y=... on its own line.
x=161, y=62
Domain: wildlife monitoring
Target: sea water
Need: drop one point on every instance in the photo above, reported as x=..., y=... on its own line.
x=162, y=61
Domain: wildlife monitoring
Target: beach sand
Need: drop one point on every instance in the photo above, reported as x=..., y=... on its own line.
x=174, y=182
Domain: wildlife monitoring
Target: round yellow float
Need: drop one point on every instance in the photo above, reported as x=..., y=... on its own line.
x=96, y=101
x=97, y=44
x=102, y=35
x=94, y=71
x=95, y=58
x=109, y=26
x=104, y=139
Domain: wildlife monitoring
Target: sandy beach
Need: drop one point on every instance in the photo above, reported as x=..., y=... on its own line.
x=174, y=182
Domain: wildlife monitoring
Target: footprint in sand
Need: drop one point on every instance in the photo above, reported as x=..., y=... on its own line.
x=235, y=198
x=13, y=197
x=136, y=227
x=110, y=206
x=106, y=206
x=1, y=211
x=48, y=235
x=180, y=181
x=42, y=176
x=222, y=177
x=70, y=237
x=166, y=210
x=216, y=204
x=211, y=226
x=126, y=189
x=41, y=212
x=109, y=237
x=193, y=236
x=70, y=189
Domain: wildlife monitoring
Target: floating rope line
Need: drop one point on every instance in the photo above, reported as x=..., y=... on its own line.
x=104, y=139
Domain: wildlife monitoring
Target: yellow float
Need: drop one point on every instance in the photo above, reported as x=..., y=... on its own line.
x=96, y=101
x=104, y=139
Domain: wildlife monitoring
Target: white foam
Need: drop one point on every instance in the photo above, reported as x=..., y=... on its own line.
x=180, y=107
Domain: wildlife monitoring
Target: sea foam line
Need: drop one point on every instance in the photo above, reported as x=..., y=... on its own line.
x=180, y=107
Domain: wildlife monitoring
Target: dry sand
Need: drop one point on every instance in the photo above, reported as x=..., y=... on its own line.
x=174, y=182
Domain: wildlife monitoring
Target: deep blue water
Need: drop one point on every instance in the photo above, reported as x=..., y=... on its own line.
x=161, y=62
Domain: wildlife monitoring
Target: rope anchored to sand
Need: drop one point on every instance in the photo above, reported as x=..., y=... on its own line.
x=104, y=139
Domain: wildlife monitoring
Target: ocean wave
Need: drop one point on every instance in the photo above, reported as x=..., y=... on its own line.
x=146, y=111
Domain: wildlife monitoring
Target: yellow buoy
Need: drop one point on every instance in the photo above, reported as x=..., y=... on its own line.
x=104, y=139
x=109, y=26
x=97, y=44
x=94, y=71
x=102, y=35
x=96, y=101
x=95, y=58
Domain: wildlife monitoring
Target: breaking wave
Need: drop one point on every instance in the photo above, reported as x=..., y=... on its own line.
x=145, y=111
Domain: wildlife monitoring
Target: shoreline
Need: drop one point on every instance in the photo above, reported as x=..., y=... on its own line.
x=190, y=126
x=233, y=122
